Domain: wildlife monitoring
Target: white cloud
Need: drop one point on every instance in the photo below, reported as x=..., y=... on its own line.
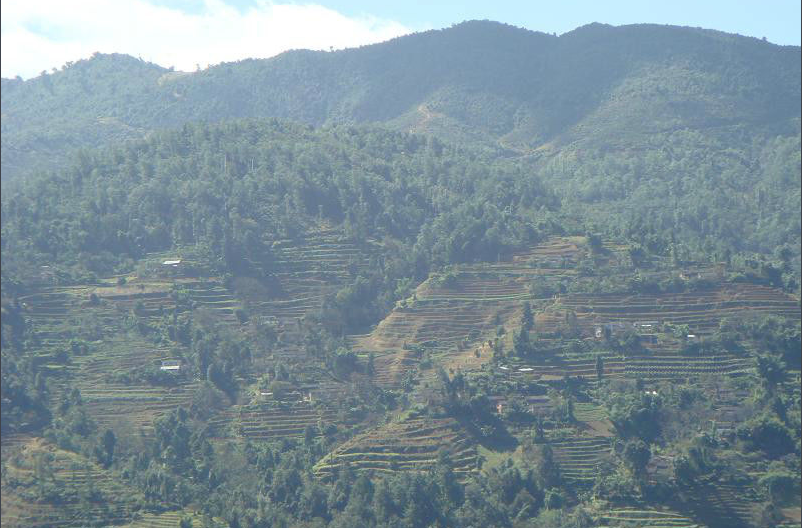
x=41, y=34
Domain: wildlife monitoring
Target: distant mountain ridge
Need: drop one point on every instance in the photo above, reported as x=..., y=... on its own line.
x=479, y=82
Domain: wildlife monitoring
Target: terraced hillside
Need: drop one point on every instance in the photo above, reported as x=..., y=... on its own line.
x=98, y=318
x=199, y=366
x=266, y=421
x=87, y=493
x=645, y=518
x=578, y=457
x=670, y=367
x=451, y=316
x=441, y=326
x=165, y=520
x=213, y=297
x=53, y=318
x=432, y=318
x=309, y=267
x=141, y=403
x=652, y=317
x=456, y=319
x=646, y=367
x=303, y=272
x=103, y=316
x=724, y=503
x=701, y=310
x=89, y=337
x=560, y=366
x=412, y=444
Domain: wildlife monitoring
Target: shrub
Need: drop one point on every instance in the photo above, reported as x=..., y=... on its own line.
x=447, y=279
x=280, y=389
x=768, y=435
x=780, y=486
x=345, y=362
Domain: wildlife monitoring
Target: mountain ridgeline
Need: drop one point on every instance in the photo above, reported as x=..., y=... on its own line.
x=482, y=83
x=680, y=139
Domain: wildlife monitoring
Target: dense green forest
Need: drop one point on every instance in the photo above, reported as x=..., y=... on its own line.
x=554, y=284
x=234, y=189
x=503, y=88
x=697, y=123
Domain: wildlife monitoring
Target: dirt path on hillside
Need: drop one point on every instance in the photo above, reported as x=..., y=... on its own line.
x=427, y=115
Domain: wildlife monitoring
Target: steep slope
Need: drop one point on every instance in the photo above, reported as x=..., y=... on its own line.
x=479, y=82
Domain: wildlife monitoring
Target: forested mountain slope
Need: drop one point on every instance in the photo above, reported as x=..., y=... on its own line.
x=232, y=190
x=479, y=82
x=471, y=277
x=235, y=188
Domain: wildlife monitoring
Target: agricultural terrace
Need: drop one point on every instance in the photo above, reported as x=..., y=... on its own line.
x=645, y=518
x=702, y=311
x=578, y=447
x=411, y=444
x=86, y=338
x=733, y=504
x=578, y=456
x=170, y=519
x=655, y=319
x=44, y=474
x=112, y=318
x=646, y=367
x=451, y=314
x=268, y=420
x=93, y=337
x=303, y=272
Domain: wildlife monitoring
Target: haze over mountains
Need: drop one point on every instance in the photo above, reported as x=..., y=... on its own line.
x=479, y=276
x=480, y=83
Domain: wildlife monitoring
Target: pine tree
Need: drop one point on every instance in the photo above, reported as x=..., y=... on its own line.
x=109, y=441
x=371, y=366
x=527, y=319
x=521, y=343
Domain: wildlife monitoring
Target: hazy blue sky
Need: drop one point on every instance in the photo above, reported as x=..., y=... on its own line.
x=42, y=34
x=777, y=20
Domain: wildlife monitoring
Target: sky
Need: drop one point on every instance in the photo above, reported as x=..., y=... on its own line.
x=39, y=35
